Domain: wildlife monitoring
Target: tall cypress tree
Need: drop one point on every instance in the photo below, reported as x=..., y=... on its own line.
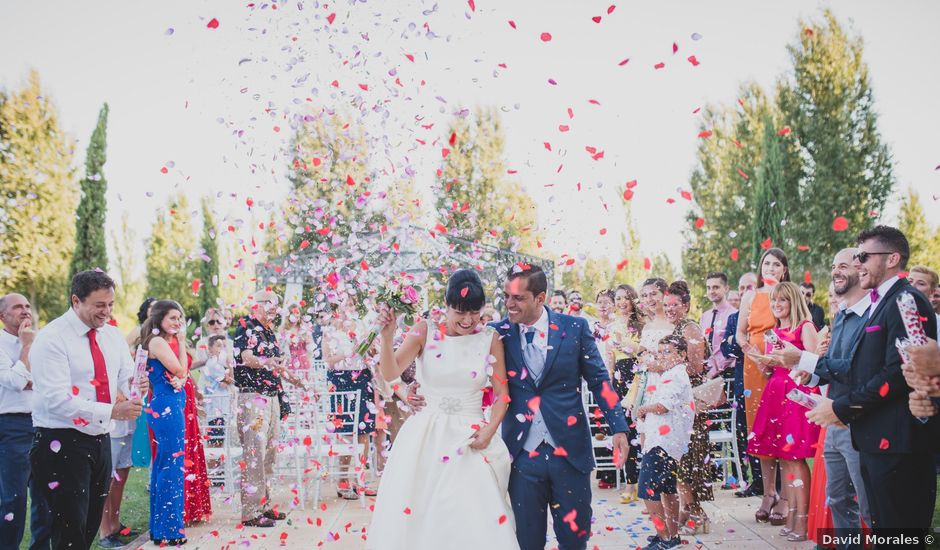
x=90, y=244
x=208, y=271
x=769, y=210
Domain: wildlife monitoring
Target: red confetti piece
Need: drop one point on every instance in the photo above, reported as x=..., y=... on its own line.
x=464, y=291
x=624, y=62
x=407, y=511
x=350, y=181
x=195, y=286
x=611, y=9
x=164, y=170
x=704, y=134
x=546, y=37
x=699, y=223
x=659, y=65
x=560, y=451
x=693, y=61
x=213, y=24
x=883, y=390
x=664, y=429
x=783, y=131
x=563, y=128
x=767, y=243
x=807, y=278
x=572, y=421
x=596, y=19
x=472, y=4
x=743, y=175
x=534, y=403
x=734, y=254
x=502, y=518
x=884, y=444
x=512, y=23
x=628, y=194
x=647, y=264
x=840, y=224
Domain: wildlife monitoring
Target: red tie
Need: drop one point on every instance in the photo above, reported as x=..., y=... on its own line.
x=102, y=388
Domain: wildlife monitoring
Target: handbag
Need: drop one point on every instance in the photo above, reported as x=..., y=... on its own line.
x=709, y=394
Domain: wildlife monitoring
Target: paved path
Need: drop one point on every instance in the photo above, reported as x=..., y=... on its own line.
x=341, y=525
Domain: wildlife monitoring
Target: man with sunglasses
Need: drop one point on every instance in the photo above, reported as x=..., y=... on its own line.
x=895, y=449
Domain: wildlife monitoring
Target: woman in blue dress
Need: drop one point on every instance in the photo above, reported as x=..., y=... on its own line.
x=165, y=413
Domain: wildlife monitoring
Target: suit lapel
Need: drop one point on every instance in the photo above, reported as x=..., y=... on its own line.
x=514, y=345
x=554, y=343
x=876, y=314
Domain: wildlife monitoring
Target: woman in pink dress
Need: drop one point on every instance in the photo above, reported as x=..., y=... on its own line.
x=297, y=336
x=781, y=429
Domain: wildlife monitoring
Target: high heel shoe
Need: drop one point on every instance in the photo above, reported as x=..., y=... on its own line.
x=762, y=516
x=786, y=530
x=776, y=518
x=797, y=537
x=348, y=494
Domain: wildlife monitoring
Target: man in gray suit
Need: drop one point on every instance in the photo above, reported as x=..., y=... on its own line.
x=843, y=472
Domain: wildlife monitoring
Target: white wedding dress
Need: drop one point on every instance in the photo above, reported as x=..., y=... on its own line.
x=437, y=492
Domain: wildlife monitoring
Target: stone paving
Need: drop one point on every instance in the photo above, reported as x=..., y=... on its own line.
x=338, y=524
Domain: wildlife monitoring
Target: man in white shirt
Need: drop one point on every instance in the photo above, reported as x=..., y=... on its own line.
x=81, y=380
x=16, y=429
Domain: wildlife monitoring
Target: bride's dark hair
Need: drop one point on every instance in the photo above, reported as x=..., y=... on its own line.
x=465, y=291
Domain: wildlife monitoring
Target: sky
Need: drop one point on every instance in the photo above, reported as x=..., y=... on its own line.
x=214, y=105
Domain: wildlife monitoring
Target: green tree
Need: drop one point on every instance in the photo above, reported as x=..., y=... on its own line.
x=718, y=234
x=474, y=197
x=331, y=183
x=770, y=192
x=37, y=197
x=845, y=170
x=170, y=266
x=588, y=277
x=924, y=240
x=207, y=261
x=130, y=289
x=90, y=244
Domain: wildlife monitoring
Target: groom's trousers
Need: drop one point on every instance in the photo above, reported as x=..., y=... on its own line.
x=544, y=483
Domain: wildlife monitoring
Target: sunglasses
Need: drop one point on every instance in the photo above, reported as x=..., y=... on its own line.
x=214, y=322
x=862, y=257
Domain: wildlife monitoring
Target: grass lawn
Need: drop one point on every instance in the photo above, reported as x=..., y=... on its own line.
x=135, y=510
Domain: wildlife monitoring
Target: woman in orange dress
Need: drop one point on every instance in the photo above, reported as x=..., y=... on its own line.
x=754, y=319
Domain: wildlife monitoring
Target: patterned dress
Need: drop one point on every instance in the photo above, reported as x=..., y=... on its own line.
x=696, y=468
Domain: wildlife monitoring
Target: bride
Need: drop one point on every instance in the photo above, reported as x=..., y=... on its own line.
x=447, y=475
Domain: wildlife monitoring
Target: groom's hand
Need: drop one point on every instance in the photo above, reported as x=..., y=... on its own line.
x=621, y=449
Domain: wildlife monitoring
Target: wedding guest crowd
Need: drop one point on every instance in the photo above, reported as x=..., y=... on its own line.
x=71, y=400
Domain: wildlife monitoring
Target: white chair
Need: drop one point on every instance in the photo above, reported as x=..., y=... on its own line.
x=596, y=419
x=318, y=437
x=222, y=446
x=723, y=434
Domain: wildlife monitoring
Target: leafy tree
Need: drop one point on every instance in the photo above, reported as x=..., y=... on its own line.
x=331, y=185
x=90, y=245
x=924, y=240
x=770, y=194
x=846, y=169
x=474, y=197
x=208, y=261
x=170, y=267
x=130, y=289
x=719, y=235
x=37, y=197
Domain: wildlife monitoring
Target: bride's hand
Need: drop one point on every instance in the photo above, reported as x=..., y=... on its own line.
x=387, y=320
x=481, y=438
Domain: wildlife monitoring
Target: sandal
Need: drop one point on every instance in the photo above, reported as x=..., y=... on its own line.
x=348, y=494
x=776, y=518
x=794, y=536
x=365, y=491
x=762, y=516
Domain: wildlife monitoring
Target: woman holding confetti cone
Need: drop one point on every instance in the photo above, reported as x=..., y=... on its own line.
x=168, y=372
x=781, y=430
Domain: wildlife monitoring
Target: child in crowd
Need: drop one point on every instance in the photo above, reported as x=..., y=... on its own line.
x=217, y=382
x=665, y=419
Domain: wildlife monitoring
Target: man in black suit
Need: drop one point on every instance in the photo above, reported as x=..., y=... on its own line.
x=895, y=449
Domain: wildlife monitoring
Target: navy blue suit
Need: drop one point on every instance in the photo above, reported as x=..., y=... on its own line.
x=558, y=478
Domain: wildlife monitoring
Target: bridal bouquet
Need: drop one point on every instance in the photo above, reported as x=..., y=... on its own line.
x=400, y=298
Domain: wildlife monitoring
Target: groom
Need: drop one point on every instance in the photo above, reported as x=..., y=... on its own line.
x=547, y=356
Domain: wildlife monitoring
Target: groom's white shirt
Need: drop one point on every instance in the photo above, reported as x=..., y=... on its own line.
x=541, y=332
